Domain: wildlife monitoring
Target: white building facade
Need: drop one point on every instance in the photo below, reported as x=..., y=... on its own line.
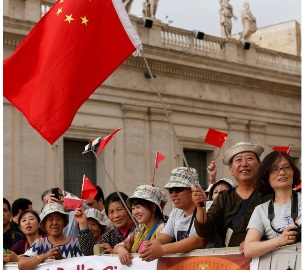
x=253, y=95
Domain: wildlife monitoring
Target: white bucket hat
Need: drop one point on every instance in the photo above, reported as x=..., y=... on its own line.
x=52, y=208
x=230, y=182
x=96, y=215
x=239, y=148
x=180, y=177
x=149, y=193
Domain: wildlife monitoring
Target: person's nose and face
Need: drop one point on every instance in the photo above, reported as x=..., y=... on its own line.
x=244, y=166
x=281, y=174
x=118, y=214
x=6, y=215
x=181, y=197
x=54, y=224
x=95, y=229
x=29, y=224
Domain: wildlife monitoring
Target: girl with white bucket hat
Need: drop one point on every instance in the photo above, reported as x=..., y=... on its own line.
x=146, y=206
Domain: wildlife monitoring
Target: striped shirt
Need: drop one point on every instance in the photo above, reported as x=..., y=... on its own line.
x=43, y=245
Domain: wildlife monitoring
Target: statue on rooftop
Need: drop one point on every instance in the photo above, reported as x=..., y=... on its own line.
x=248, y=22
x=127, y=5
x=226, y=15
x=149, y=8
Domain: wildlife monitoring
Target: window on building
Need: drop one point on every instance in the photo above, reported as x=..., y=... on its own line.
x=45, y=6
x=76, y=165
x=198, y=160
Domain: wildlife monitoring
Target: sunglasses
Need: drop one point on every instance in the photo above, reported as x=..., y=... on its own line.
x=176, y=189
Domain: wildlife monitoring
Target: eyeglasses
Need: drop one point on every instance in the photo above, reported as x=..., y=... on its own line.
x=285, y=168
x=176, y=189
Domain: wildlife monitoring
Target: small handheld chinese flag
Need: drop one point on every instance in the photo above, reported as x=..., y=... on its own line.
x=75, y=46
x=106, y=140
x=88, y=189
x=215, y=137
x=71, y=202
x=158, y=158
x=285, y=149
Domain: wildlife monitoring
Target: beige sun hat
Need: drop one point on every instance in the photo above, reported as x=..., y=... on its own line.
x=96, y=215
x=180, y=177
x=52, y=208
x=230, y=182
x=149, y=193
x=239, y=148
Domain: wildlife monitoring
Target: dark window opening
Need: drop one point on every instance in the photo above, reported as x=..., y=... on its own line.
x=198, y=160
x=76, y=165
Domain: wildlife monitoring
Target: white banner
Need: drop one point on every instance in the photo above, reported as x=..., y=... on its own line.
x=91, y=263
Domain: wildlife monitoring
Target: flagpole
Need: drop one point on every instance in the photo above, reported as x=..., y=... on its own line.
x=170, y=123
x=118, y=193
x=217, y=154
x=220, y=149
x=152, y=183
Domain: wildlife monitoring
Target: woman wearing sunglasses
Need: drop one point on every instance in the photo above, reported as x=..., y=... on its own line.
x=277, y=220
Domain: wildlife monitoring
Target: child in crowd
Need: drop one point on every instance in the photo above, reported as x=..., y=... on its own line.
x=145, y=204
x=92, y=226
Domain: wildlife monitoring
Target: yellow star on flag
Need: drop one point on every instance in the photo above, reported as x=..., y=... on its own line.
x=69, y=18
x=61, y=1
x=59, y=11
x=84, y=20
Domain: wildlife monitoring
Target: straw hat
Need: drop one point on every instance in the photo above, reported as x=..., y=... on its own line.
x=239, y=148
x=149, y=193
x=52, y=208
x=230, y=182
x=180, y=177
x=96, y=215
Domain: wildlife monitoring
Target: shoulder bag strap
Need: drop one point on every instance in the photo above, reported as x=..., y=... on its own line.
x=241, y=211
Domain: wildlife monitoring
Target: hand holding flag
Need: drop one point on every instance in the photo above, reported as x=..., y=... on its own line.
x=158, y=158
x=88, y=189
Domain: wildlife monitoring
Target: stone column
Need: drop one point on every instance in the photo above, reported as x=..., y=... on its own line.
x=257, y=134
x=237, y=133
x=160, y=141
x=136, y=142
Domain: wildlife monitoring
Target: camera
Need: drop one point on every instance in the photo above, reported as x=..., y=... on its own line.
x=55, y=191
x=298, y=230
x=299, y=233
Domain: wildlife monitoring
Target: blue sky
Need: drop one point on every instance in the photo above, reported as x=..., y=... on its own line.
x=204, y=15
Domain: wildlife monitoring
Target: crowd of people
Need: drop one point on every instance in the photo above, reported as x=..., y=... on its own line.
x=258, y=212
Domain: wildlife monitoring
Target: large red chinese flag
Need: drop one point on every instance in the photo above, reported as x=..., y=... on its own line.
x=88, y=189
x=66, y=56
x=285, y=149
x=215, y=137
